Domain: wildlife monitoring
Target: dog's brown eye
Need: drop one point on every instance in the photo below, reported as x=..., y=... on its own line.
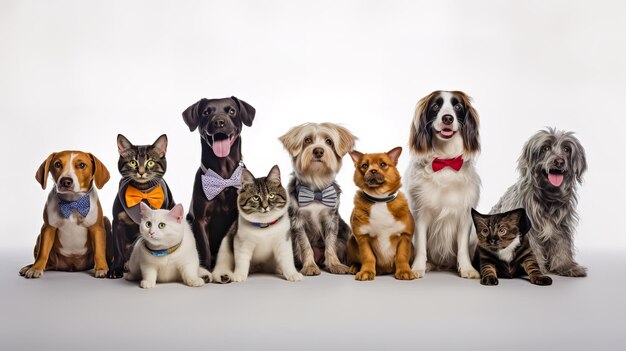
x=58, y=164
x=82, y=165
x=567, y=149
x=365, y=166
x=308, y=140
x=546, y=148
x=231, y=112
x=458, y=107
x=329, y=142
x=383, y=164
x=435, y=107
x=205, y=113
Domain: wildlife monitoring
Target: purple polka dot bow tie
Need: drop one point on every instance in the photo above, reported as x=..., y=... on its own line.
x=213, y=184
x=81, y=206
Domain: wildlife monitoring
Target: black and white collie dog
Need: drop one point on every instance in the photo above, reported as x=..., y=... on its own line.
x=442, y=183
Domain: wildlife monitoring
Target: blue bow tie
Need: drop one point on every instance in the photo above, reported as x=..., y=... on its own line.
x=328, y=196
x=81, y=206
x=213, y=184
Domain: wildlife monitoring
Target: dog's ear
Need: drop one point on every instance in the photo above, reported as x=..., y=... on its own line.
x=274, y=175
x=356, y=157
x=292, y=140
x=469, y=129
x=420, y=137
x=531, y=152
x=42, y=172
x=161, y=145
x=579, y=159
x=191, y=116
x=346, y=139
x=100, y=173
x=523, y=222
x=123, y=144
x=246, y=111
x=247, y=178
x=394, y=154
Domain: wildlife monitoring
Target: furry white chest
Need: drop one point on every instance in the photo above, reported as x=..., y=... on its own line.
x=73, y=237
x=316, y=211
x=508, y=253
x=266, y=240
x=382, y=226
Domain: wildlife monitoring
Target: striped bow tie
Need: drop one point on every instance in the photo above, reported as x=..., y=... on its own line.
x=328, y=196
x=213, y=184
x=81, y=206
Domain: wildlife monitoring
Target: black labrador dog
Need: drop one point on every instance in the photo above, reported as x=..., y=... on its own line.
x=213, y=206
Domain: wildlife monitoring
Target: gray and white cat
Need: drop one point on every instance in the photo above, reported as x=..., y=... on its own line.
x=166, y=250
x=259, y=240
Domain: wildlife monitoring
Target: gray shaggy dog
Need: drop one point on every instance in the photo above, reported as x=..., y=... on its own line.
x=551, y=167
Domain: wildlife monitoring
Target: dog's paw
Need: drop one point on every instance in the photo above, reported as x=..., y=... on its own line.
x=115, y=273
x=310, y=270
x=195, y=282
x=365, y=275
x=353, y=269
x=430, y=267
x=405, y=275
x=489, y=280
x=469, y=273
x=541, y=280
x=294, y=277
x=205, y=275
x=238, y=277
x=146, y=284
x=32, y=273
x=25, y=269
x=339, y=269
x=573, y=271
x=419, y=273
x=100, y=273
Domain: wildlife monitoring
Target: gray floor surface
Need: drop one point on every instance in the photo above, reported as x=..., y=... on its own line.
x=72, y=311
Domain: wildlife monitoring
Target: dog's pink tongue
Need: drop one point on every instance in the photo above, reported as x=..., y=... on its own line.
x=446, y=132
x=555, y=179
x=221, y=148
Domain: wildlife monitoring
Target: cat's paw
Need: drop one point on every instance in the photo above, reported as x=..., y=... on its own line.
x=310, y=270
x=205, y=275
x=195, y=282
x=146, y=284
x=339, y=269
x=115, y=273
x=469, y=273
x=294, y=277
x=239, y=277
x=541, y=280
x=489, y=280
x=28, y=272
x=419, y=273
x=100, y=273
x=365, y=275
x=405, y=275
x=573, y=271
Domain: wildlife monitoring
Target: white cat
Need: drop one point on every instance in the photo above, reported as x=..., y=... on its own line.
x=166, y=250
x=259, y=240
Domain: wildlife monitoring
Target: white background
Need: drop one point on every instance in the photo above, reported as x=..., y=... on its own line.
x=74, y=74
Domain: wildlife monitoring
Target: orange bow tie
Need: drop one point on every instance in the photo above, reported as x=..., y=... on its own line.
x=134, y=196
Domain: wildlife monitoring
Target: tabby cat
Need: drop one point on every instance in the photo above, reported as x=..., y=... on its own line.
x=142, y=168
x=259, y=240
x=503, y=249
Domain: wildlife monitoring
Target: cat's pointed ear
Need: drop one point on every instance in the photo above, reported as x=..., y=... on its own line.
x=274, y=175
x=144, y=209
x=476, y=216
x=246, y=111
x=356, y=156
x=123, y=144
x=161, y=145
x=177, y=213
x=394, y=154
x=247, y=177
x=523, y=222
x=191, y=115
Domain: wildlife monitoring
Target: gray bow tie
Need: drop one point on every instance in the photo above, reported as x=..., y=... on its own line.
x=328, y=196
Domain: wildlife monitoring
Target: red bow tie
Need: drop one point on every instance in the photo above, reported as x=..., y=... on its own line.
x=454, y=163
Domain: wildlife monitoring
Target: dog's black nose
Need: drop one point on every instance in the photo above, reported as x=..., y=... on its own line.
x=559, y=162
x=447, y=119
x=373, y=171
x=219, y=122
x=66, y=182
x=318, y=152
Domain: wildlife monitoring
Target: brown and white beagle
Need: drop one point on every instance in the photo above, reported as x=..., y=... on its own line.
x=73, y=236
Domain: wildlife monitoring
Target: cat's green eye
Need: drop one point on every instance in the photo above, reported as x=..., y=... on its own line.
x=256, y=198
x=484, y=232
x=133, y=163
x=150, y=163
x=148, y=224
x=501, y=231
x=161, y=225
x=271, y=195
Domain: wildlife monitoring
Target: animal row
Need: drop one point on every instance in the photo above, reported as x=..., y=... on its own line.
x=238, y=223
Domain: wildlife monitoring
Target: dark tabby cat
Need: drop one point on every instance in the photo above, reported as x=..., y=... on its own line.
x=260, y=237
x=503, y=249
x=142, y=168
